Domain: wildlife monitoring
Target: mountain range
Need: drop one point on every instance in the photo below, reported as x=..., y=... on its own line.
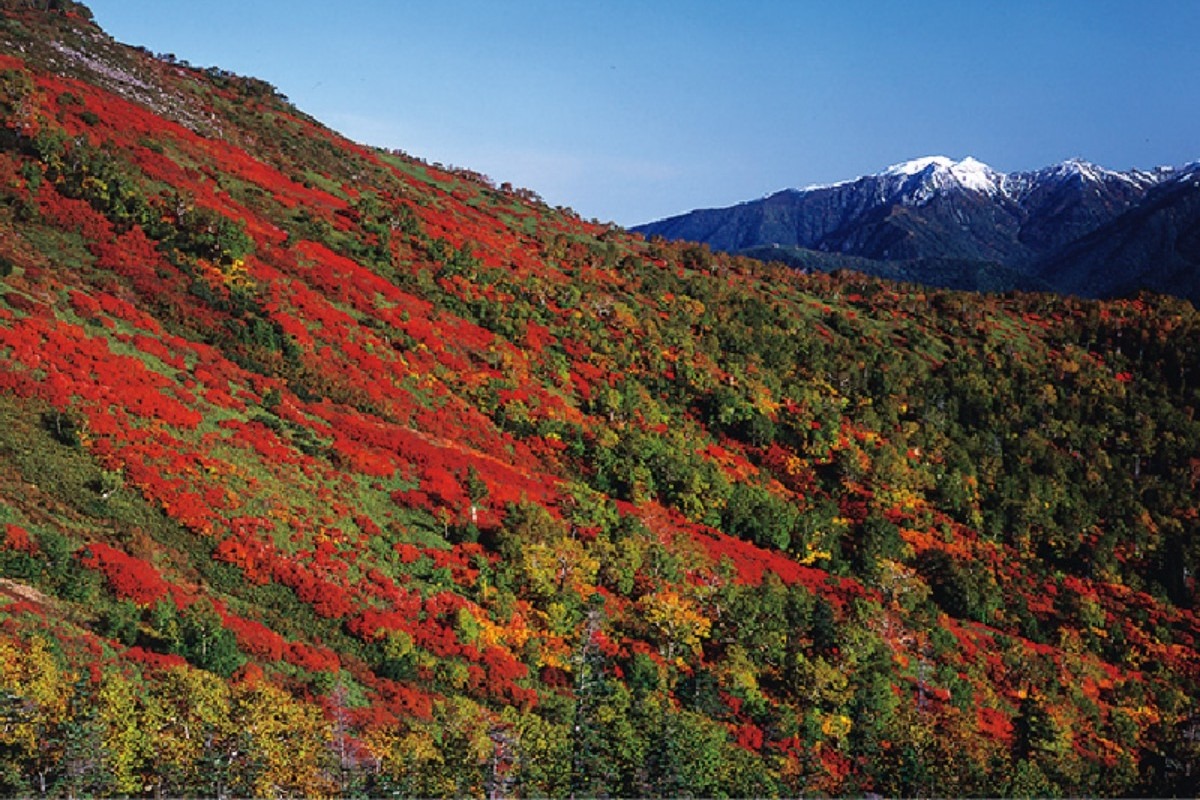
x=1074, y=227
x=328, y=471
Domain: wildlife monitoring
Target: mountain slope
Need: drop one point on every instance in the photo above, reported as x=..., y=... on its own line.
x=327, y=470
x=1155, y=246
x=1002, y=230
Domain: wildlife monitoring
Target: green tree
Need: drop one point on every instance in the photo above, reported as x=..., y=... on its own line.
x=204, y=641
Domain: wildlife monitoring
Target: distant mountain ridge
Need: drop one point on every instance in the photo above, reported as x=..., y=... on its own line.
x=1020, y=230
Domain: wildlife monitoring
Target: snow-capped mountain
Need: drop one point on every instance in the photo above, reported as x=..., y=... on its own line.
x=933, y=209
x=1154, y=246
x=938, y=173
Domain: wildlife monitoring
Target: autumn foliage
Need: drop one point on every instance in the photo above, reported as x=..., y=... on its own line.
x=326, y=470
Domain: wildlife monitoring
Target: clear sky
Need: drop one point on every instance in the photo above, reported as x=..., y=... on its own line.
x=632, y=110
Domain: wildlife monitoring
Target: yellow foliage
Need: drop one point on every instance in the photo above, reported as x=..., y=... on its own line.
x=187, y=712
x=1144, y=716
x=561, y=563
x=122, y=736
x=740, y=673
x=676, y=620
x=33, y=675
x=287, y=738
x=811, y=556
x=397, y=644
x=514, y=635
x=419, y=747
x=836, y=726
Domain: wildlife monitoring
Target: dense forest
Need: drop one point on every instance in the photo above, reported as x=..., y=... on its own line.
x=328, y=471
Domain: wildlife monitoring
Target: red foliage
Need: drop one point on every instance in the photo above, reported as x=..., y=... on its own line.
x=249, y=674
x=502, y=672
x=256, y=639
x=327, y=599
x=128, y=577
x=408, y=553
x=313, y=659
x=995, y=724
x=402, y=700
x=750, y=737
x=456, y=561
x=153, y=660
x=17, y=538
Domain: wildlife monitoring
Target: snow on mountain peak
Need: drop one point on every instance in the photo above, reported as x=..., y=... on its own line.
x=1087, y=172
x=969, y=173
x=918, y=165
x=1082, y=168
x=976, y=175
x=919, y=180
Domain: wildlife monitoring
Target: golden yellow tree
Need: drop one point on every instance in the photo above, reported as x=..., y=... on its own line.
x=187, y=718
x=37, y=697
x=284, y=742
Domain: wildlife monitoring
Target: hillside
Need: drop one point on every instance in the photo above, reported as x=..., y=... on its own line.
x=1074, y=227
x=326, y=470
x=1155, y=246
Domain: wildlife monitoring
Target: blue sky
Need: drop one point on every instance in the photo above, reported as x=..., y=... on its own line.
x=632, y=110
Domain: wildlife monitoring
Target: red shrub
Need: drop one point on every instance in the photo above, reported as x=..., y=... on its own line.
x=128, y=577
x=17, y=538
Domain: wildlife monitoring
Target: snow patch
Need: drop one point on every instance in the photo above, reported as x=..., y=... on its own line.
x=941, y=172
x=919, y=165
x=973, y=174
x=919, y=180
